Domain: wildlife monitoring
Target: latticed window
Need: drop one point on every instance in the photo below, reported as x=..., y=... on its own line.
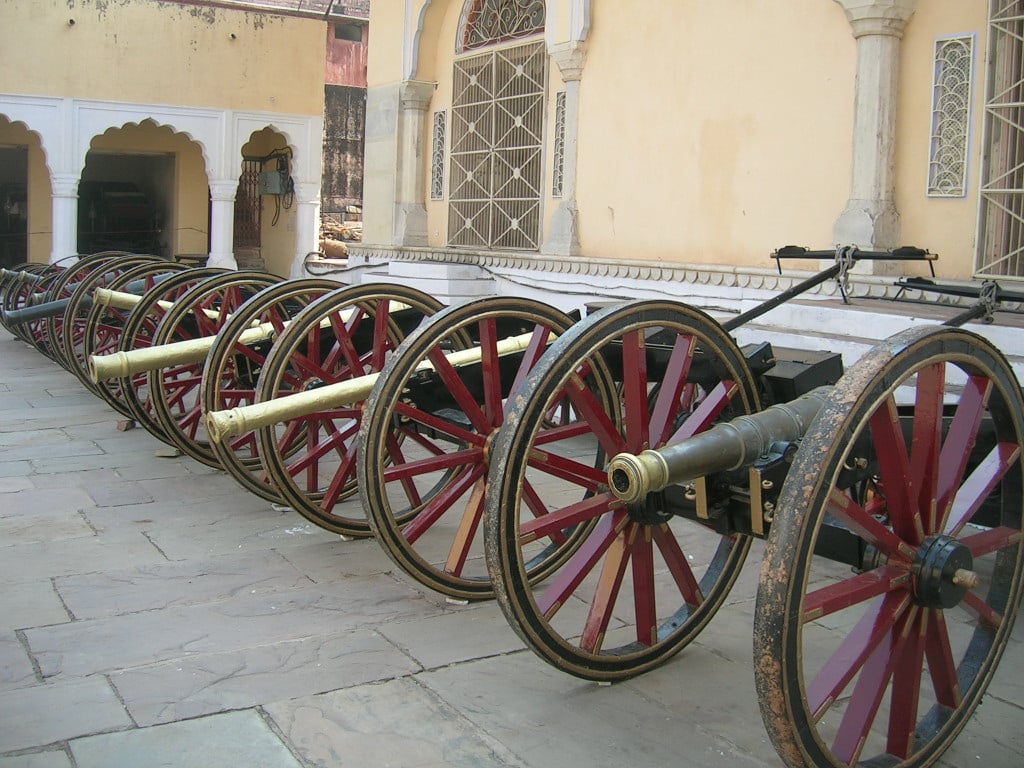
x=558, y=177
x=497, y=129
x=951, y=117
x=1001, y=240
x=485, y=22
x=437, y=156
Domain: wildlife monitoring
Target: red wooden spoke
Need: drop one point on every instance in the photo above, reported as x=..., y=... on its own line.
x=342, y=475
x=992, y=540
x=394, y=451
x=941, y=666
x=537, y=346
x=894, y=472
x=861, y=522
x=442, y=502
x=292, y=431
x=554, y=523
x=491, y=372
x=178, y=383
x=457, y=389
x=458, y=553
x=537, y=508
x=856, y=589
x=438, y=424
x=609, y=583
x=705, y=413
x=583, y=475
x=678, y=566
x=417, y=467
x=926, y=440
x=594, y=414
x=317, y=448
x=344, y=348
x=848, y=659
x=580, y=564
x=978, y=485
x=906, y=688
x=673, y=384
x=985, y=613
x=867, y=694
x=634, y=391
x=563, y=432
x=644, y=603
x=963, y=432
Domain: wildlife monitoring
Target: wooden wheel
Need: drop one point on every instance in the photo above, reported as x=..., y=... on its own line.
x=76, y=315
x=234, y=364
x=427, y=425
x=105, y=327
x=51, y=329
x=139, y=331
x=175, y=389
x=344, y=335
x=19, y=294
x=638, y=583
x=916, y=461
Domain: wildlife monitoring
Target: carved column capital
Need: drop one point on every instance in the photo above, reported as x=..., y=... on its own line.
x=223, y=189
x=307, y=191
x=878, y=17
x=64, y=184
x=416, y=94
x=570, y=58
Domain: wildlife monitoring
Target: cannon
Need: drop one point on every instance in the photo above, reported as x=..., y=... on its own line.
x=639, y=461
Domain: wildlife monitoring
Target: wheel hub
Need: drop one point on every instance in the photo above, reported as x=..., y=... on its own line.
x=943, y=572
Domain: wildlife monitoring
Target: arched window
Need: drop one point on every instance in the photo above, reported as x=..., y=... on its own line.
x=497, y=150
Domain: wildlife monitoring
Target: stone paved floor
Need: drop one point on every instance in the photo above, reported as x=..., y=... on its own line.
x=152, y=614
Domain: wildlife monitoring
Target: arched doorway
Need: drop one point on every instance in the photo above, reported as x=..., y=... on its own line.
x=23, y=184
x=265, y=210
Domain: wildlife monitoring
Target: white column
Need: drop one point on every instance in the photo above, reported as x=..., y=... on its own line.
x=222, y=223
x=64, y=205
x=563, y=237
x=307, y=223
x=411, y=171
x=870, y=219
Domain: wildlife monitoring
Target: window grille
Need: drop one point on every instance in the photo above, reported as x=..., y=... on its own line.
x=951, y=116
x=1001, y=236
x=558, y=176
x=437, y=158
x=485, y=22
x=248, y=213
x=496, y=155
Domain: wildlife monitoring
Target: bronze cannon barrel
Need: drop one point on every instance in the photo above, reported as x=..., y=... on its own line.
x=724, y=447
x=246, y=418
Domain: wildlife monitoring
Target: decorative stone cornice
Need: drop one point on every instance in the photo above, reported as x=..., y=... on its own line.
x=878, y=17
x=570, y=58
x=416, y=94
x=699, y=275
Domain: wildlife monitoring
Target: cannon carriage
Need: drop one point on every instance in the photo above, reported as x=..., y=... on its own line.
x=605, y=479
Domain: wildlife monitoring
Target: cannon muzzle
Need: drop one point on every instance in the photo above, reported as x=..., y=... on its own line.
x=722, y=448
x=20, y=276
x=237, y=421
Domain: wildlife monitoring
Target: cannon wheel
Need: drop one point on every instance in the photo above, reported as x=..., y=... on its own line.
x=175, y=390
x=232, y=369
x=425, y=460
x=105, y=327
x=139, y=330
x=886, y=664
x=63, y=287
x=346, y=334
x=639, y=586
x=76, y=315
x=18, y=293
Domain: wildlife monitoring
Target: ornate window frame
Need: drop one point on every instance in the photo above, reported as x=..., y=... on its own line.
x=952, y=81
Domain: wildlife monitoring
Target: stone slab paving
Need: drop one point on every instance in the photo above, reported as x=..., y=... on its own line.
x=154, y=614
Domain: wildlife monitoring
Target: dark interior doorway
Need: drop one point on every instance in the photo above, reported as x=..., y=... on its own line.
x=13, y=206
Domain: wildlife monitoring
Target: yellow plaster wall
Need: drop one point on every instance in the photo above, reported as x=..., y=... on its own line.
x=947, y=226
x=162, y=53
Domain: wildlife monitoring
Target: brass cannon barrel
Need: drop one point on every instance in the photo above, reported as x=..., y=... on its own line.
x=725, y=447
x=120, y=364
x=237, y=421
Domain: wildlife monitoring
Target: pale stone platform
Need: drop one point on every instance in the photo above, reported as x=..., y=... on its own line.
x=153, y=614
